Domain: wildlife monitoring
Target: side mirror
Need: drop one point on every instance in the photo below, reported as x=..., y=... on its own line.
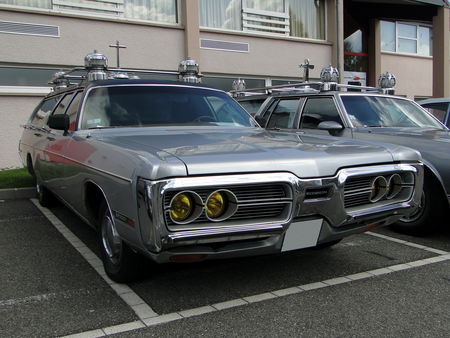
x=59, y=122
x=261, y=120
x=330, y=126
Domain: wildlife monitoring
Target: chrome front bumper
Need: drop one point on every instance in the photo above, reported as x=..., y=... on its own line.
x=332, y=220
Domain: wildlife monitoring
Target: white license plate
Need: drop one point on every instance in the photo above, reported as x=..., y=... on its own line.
x=301, y=235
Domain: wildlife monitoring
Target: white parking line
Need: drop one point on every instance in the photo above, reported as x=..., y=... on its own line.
x=411, y=244
x=137, y=304
x=257, y=298
x=150, y=318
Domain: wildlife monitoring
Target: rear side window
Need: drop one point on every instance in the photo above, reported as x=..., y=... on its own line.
x=283, y=115
x=40, y=115
x=317, y=110
x=62, y=105
x=73, y=109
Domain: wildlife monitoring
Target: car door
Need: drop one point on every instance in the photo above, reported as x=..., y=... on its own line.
x=318, y=109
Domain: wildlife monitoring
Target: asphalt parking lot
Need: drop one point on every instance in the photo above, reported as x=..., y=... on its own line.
x=378, y=284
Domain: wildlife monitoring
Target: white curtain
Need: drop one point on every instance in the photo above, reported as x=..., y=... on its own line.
x=266, y=5
x=29, y=3
x=225, y=14
x=153, y=10
x=307, y=18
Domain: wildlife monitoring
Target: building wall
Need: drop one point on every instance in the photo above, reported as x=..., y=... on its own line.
x=266, y=57
x=14, y=112
x=414, y=74
x=147, y=46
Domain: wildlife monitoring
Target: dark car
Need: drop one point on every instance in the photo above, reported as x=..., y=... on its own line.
x=366, y=113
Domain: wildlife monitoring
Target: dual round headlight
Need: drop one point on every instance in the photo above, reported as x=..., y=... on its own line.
x=382, y=187
x=187, y=206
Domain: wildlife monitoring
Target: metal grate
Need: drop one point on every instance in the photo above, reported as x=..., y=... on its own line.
x=224, y=45
x=28, y=29
x=265, y=202
x=357, y=190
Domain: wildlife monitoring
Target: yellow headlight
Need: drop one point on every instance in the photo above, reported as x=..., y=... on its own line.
x=215, y=205
x=181, y=207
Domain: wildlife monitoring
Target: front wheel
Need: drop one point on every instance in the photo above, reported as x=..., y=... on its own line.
x=45, y=197
x=119, y=261
x=426, y=217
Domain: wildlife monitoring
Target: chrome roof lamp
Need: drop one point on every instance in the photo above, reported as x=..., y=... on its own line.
x=189, y=71
x=330, y=77
x=96, y=65
x=387, y=82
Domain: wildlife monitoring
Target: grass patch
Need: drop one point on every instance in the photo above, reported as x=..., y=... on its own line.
x=15, y=178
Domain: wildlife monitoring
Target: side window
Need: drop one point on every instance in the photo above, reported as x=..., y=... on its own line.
x=62, y=105
x=319, y=109
x=283, y=115
x=73, y=109
x=437, y=109
x=40, y=115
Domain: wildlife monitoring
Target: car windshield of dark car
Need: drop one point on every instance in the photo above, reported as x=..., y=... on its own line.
x=381, y=111
x=147, y=105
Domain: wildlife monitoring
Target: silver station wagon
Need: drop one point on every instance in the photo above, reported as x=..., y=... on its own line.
x=178, y=172
x=366, y=113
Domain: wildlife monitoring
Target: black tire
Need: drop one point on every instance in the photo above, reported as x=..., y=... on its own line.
x=119, y=261
x=30, y=168
x=327, y=244
x=426, y=218
x=45, y=197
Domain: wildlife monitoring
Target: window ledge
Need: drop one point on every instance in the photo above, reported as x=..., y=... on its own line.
x=263, y=35
x=87, y=16
x=24, y=91
x=408, y=55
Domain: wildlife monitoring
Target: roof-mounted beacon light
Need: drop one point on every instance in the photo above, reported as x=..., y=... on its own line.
x=189, y=71
x=330, y=77
x=60, y=81
x=387, y=83
x=238, y=87
x=96, y=65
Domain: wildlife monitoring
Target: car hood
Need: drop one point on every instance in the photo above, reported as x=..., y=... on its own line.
x=430, y=142
x=213, y=150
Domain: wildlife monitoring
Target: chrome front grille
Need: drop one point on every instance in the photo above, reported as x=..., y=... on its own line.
x=358, y=190
x=262, y=203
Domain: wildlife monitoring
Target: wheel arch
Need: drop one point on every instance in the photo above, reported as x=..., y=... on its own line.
x=430, y=173
x=94, y=197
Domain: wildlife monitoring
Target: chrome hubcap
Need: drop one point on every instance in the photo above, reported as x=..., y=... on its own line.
x=112, y=244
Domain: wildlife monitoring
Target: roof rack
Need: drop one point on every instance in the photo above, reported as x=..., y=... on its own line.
x=328, y=76
x=96, y=68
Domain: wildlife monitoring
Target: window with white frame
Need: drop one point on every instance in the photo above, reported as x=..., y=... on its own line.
x=298, y=18
x=408, y=38
x=163, y=11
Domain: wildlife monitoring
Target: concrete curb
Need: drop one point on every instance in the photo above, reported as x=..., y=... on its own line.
x=17, y=193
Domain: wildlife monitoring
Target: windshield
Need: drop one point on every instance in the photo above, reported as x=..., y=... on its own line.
x=380, y=111
x=146, y=105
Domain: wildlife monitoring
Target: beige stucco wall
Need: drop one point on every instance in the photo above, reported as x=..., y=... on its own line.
x=414, y=74
x=149, y=47
x=266, y=57
x=14, y=111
